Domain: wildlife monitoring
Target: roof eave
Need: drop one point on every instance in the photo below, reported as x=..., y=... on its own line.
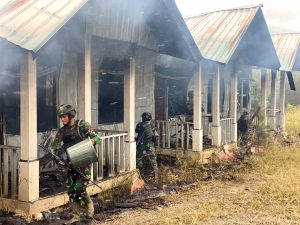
x=186, y=34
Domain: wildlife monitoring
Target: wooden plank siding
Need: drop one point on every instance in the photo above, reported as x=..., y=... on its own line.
x=121, y=21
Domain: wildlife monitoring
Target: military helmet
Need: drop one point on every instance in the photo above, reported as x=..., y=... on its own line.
x=146, y=116
x=66, y=109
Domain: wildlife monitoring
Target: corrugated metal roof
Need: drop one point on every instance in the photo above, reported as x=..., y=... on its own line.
x=217, y=34
x=287, y=46
x=31, y=23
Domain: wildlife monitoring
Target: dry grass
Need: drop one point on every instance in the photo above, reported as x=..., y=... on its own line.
x=264, y=189
x=279, y=170
x=292, y=122
x=268, y=193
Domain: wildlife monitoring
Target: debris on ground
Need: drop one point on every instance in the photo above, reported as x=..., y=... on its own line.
x=222, y=155
x=144, y=195
x=52, y=181
x=257, y=149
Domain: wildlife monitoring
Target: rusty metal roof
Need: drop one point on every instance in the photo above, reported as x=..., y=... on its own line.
x=31, y=23
x=287, y=47
x=219, y=34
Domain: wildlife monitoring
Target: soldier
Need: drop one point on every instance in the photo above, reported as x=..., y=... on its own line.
x=145, y=143
x=72, y=132
x=243, y=124
x=246, y=130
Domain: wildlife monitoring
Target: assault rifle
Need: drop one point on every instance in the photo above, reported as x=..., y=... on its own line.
x=67, y=165
x=138, y=141
x=254, y=114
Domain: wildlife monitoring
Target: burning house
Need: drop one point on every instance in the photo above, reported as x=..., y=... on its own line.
x=232, y=42
x=99, y=56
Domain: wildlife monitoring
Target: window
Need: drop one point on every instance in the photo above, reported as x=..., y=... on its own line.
x=111, y=98
x=244, y=93
x=177, y=97
x=46, y=99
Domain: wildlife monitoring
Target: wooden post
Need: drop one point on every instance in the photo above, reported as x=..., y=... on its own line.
x=87, y=79
x=28, y=164
x=94, y=94
x=84, y=92
x=216, y=127
x=96, y=59
x=197, y=131
x=129, y=115
x=272, y=115
x=263, y=97
x=249, y=107
x=233, y=105
x=282, y=100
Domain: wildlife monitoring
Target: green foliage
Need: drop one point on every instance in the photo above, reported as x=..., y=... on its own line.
x=292, y=122
x=291, y=107
x=255, y=85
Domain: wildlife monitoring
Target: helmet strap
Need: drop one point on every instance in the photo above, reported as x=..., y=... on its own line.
x=71, y=121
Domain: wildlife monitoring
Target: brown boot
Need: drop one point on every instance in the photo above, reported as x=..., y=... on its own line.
x=75, y=207
x=89, y=207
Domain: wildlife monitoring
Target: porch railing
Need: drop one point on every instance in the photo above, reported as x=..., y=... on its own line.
x=174, y=134
x=111, y=154
x=206, y=124
x=111, y=161
x=9, y=159
x=226, y=129
x=277, y=118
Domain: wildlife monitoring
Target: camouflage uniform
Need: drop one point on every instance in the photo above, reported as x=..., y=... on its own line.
x=76, y=183
x=145, y=146
x=70, y=135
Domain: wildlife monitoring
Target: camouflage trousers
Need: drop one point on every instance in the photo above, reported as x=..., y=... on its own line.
x=76, y=184
x=248, y=138
x=146, y=153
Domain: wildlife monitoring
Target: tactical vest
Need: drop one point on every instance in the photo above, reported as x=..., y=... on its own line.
x=72, y=135
x=146, y=132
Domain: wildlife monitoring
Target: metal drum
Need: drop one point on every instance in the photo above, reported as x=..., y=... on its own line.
x=82, y=154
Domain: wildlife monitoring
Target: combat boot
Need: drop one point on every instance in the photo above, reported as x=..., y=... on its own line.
x=75, y=207
x=89, y=207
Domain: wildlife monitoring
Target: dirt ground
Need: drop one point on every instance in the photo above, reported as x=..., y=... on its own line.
x=265, y=191
x=210, y=203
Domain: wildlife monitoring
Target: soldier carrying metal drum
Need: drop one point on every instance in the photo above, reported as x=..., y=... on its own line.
x=71, y=133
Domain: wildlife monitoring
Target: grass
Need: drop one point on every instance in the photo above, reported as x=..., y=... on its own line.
x=292, y=122
x=266, y=190
x=267, y=193
x=263, y=189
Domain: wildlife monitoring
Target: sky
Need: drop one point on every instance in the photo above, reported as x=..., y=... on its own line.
x=281, y=16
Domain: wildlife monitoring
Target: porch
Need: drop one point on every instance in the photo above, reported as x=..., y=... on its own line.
x=177, y=134
x=109, y=171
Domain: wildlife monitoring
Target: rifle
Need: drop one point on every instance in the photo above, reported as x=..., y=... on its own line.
x=66, y=165
x=254, y=115
x=138, y=141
